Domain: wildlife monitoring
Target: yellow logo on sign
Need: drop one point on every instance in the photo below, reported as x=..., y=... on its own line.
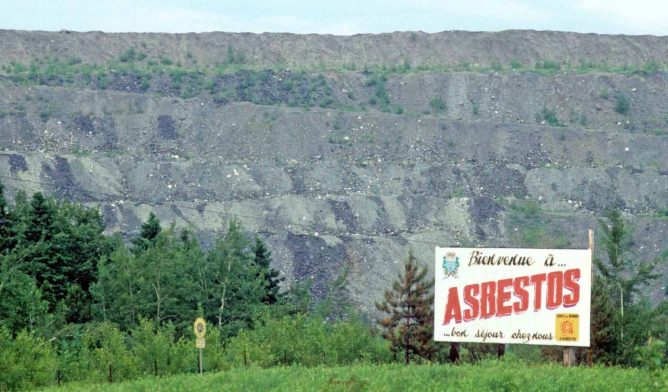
x=567, y=327
x=200, y=327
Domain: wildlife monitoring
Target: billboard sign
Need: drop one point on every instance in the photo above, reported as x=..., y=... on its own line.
x=515, y=296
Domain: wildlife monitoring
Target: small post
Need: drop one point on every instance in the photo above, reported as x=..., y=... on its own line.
x=569, y=356
x=111, y=379
x=500, y=350
x=58, y=376
x=200, y=361
x=591, y=247
x=569, y=352
x=155, y=367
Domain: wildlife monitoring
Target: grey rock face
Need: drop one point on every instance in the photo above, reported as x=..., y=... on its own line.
x=345, y=189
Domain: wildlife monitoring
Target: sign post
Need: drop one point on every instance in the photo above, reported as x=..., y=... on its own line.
x=513, y=296
x=200, y=342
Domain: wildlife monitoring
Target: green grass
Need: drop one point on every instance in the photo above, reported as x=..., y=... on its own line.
x=487, y=376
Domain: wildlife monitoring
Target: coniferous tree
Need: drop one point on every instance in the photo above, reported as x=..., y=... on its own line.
x=270, y=277
x=148, y=233
x=618, y=309
x=409, y=308
x=60, y=243
x=6, y=239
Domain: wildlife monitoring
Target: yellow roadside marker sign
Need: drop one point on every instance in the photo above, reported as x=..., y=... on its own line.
x=200, y=327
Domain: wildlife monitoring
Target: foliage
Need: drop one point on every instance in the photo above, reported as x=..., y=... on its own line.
x=26, y=361
x=622, y=319
x=56, y=244
x=622, y=104
x=307, y=341
x=409, y=313
x=268, y=276
x=156, y=280
x=527, y=226
x=550, y=117
x=22, y=306
x=105, y=347
x=437, y=104
x=486, y=376
x=148, y=233
x=232, y=286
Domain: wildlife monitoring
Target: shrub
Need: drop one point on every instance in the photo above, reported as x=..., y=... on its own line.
x=25, y=361
x=550, y=117
x=622, y=104
x=307, y=341
x=106, y=346
x=437, y=104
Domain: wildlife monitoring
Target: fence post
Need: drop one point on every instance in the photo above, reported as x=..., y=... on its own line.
x=111, y=379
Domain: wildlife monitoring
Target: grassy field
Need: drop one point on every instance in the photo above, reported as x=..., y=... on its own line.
x=488, y=376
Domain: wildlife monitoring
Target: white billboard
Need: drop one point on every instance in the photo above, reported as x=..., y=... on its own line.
x=516, y=296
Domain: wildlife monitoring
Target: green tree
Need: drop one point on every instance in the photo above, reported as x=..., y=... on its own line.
x=166, y=281
x=61, y=243
x=158, y=282
x=233, y=288
x=6, y=236
x=409, y=308
x=620, y=314
x=270, y=277
x=148, y=233
x=21, y=306
x=117, y=290
x=26, y=361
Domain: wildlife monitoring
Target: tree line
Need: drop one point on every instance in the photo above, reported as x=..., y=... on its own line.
x=58, y=269
x=80, y=305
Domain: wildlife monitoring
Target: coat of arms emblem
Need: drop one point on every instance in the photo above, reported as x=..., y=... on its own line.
x=450, y=264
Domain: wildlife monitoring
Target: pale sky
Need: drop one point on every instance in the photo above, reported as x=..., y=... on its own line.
x=341, y=17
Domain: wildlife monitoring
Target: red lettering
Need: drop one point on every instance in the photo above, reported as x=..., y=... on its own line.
x=571, y=279
x=488, y=304
x=521, y=293
x=452, y=309
x=471, y=293
x=512, y=295
x=537, y=281
x=502, y=297
x=555, y=281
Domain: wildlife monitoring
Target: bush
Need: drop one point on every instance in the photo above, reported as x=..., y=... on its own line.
x=437, y=104
x=26, y=361
x=622, y=104
x=307, y=341
x=550, y=117
x=106, y=346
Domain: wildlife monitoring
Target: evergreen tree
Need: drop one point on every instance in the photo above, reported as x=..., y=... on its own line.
x=603, y=316
x=61, y=243
x=6, y=237
x=409, y=308
x=21, y=306
x=148, y=233
x=270, y=277
x=619, y=313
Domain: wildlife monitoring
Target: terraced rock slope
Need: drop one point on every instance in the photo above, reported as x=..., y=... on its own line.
x=344, y=151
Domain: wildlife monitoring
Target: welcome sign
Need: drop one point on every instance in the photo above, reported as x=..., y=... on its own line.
x=516, y=296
